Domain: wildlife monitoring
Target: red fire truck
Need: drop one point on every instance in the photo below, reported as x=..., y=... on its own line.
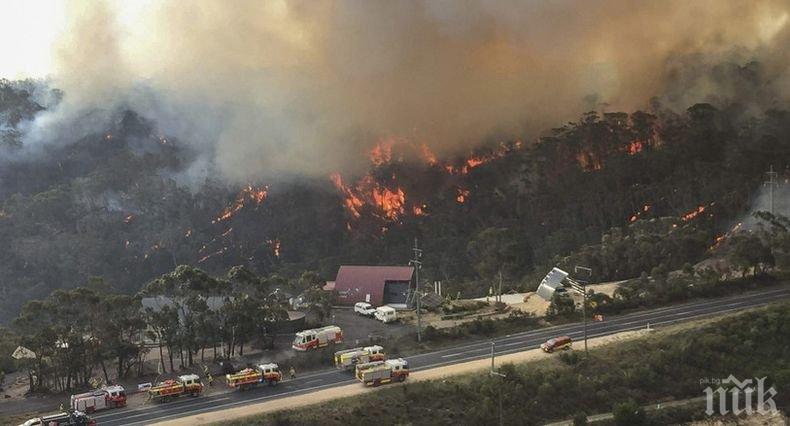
x=99, y=399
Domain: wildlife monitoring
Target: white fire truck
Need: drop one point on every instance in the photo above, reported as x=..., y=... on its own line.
x=250, y=377
x=348, y=358
x=99, y=399
x=317, y=338
x=380, y=372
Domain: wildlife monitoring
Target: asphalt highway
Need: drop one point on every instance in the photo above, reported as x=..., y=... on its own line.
x=469, y=351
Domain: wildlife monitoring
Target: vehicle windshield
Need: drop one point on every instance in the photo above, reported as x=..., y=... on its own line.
x=297, y=339
x=551, y=342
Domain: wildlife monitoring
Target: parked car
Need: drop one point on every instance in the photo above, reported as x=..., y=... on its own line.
x=557, y=343
x=364, y=309
x=386, y=314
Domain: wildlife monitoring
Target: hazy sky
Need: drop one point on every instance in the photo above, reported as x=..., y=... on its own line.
x=28, y=29
x=305, y=85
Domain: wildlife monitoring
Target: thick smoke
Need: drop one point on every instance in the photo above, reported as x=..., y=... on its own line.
x=267, y=88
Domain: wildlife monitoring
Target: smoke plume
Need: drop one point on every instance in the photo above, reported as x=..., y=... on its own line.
x=267, y=88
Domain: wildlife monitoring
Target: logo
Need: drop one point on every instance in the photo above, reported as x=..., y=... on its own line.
x=736, y=397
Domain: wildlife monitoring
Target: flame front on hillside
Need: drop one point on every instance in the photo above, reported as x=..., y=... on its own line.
x=256, y=195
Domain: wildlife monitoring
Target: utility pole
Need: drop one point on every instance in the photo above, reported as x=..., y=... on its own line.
x=771, y=184
x=492, y=373
x=499, y=291
x=417, y=263
x=580, y=286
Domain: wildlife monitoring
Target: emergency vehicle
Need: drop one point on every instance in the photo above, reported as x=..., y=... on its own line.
x=99, y=399
x=184, y=385
x=348, y=358
x=379, y=372
x=250, y=377
x=317, y=338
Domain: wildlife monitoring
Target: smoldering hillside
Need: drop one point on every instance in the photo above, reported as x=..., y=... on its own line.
x=207, y=137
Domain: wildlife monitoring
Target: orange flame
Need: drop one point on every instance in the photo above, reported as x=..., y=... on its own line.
x=390, y=202
x=382, y=152
x=256, y=195
x=275, y=246
x=646, y=208
x=428, y=155
x=352, y=202
x=209, y=256
x=692, y=214
x=462, y=195
x=635, y=147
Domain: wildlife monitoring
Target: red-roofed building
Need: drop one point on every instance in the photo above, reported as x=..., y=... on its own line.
x=377, y=285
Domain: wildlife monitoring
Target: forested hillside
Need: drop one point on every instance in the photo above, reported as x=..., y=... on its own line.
x=120, y=204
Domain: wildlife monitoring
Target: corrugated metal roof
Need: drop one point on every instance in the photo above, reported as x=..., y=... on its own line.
x=355, y=283
x=550, y=283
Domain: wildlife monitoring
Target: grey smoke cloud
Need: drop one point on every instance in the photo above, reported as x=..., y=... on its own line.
x=303, y=87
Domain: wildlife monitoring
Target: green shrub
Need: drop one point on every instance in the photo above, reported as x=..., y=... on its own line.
x=628, y=413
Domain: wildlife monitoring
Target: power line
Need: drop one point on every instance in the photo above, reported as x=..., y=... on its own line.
x=417, y=263
x=772, y=183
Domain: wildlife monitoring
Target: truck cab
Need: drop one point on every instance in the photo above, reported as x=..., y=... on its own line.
x=304, y=340
x=271, y=373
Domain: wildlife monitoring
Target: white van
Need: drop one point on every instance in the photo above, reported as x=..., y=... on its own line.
x=386, y=314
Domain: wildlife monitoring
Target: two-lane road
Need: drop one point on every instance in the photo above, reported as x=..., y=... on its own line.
x=152, y=413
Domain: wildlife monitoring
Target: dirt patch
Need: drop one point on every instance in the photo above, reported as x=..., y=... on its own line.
x=357, y=389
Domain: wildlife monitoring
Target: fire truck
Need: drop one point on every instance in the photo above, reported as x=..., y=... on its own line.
x=317, y=338
x=99, y=399
x=347, y=359
x=250, y=377
x=184, y=385
x=379, y=372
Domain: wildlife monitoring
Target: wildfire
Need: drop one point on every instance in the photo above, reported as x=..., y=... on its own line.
x=588, y=161
x=389, y=202
x=382, y=152
x=635, y=147
x=351, y=201
x=128, y=219
x=462, y=195
x=209, y=256
x=275, y=246
x=250, y=193
x=646, y=208
x=428, y=155
x=692, y=214
x=720, y=239
x=477, y=160
x=419, y=210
